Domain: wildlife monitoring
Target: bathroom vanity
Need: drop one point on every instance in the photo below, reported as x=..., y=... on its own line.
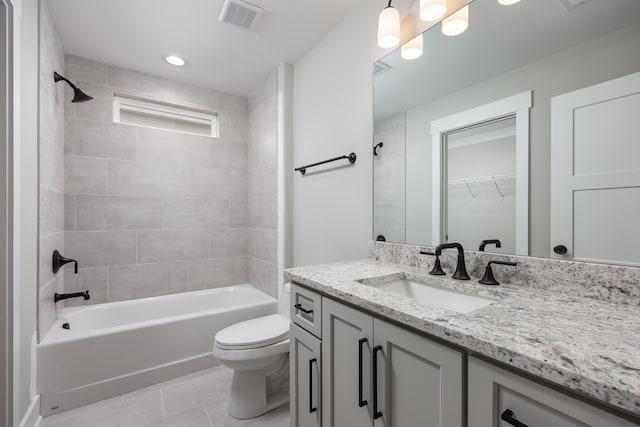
x=363, y=354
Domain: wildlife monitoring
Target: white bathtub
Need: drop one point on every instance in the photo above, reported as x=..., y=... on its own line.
x=119, y=347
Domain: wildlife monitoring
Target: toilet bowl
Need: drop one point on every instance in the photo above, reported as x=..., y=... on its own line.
x=258, y=352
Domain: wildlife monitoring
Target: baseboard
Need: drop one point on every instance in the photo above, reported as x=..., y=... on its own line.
x=32, y=418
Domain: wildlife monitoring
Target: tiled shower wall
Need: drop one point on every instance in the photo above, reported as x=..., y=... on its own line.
x=262, y=191
x=51, y=168
x=389, y=178
x=148, y=211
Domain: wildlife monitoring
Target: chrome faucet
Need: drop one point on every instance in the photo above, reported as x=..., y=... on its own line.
x=461, y=268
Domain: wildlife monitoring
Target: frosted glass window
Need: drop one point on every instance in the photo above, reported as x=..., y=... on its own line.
x=163, y=116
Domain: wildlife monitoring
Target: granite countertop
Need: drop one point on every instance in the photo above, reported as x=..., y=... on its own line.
x=586, y=345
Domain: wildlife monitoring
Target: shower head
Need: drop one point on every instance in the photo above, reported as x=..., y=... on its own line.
x=78, y=95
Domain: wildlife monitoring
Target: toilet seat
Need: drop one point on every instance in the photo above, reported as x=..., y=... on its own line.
x=254, y=333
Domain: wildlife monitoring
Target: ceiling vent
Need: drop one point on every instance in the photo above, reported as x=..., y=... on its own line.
x=572, y=4
x=240, y=13
x=380, y=67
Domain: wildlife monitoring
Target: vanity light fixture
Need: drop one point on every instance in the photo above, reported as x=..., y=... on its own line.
x=389, y=27
x=508, y=2
x=175, y=60
x=432, y=10
x=412, y=49
x=457, y=23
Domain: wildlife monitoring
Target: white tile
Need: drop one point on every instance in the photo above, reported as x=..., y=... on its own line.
x=195, y=390
x=185, y=213
x=227, y=155
x=176, y=148
x=85, y=175
x=139, y=411
x=216, y=272
x=92, y=279
x=147, y=85
x=194, y=417
x=96, y=213
x=52, y=166
x=146, y=179
x=100, y=248
x=52, y=211
x=263, y=275
x=96, y=109
x=226, y=242
x=69, y=212
x=262, y=244
x=262, y=213
x=48, y=244
x=145, y=280
x=86, y=137
x=217, y=183
x=172, y=245
x=78, y=68
x=238, y=212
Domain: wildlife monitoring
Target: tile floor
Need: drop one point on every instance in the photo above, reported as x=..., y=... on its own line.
x=196, y=400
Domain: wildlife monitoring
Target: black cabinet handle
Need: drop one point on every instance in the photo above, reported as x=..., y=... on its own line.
x=361, y=402
x=507, y=416
x=312, y=408
x=302, y=309
x=376, y=413
x=560, y=249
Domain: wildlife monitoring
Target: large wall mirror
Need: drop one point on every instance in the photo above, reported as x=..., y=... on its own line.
x=521, y=129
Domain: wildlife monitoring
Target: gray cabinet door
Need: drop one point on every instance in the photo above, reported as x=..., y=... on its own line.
x=420, y=382
x=493, y=390
x=305, y=365
x=343, y=328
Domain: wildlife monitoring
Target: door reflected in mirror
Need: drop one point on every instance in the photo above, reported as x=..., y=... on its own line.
x=480, y=174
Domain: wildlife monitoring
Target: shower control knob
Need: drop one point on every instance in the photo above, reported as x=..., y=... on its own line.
x=560, y=249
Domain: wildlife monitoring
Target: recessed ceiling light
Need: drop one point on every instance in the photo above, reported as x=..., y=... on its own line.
x=175, y=60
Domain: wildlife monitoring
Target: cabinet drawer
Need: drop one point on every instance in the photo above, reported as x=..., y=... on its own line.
x=496, y=394
x=306, y=309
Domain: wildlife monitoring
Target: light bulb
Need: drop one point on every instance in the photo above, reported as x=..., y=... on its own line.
x=175, y=60
x=457, y=23
x=389, y=27
x=508, y=2
x=412, y=49
x=432, y=10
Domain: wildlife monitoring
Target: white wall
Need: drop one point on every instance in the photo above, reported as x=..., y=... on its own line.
x=26, y=208
x=333, y=116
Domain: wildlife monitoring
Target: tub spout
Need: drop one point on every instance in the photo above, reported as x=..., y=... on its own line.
x=59, y=297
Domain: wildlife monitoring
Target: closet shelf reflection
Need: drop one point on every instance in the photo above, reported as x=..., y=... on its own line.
x=482, y=179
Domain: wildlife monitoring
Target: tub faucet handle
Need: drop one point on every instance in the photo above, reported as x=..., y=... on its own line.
x=58, y=261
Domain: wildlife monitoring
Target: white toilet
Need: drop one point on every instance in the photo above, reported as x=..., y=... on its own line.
x=258, y=352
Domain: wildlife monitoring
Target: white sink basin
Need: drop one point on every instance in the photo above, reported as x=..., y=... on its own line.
x=433, y=295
